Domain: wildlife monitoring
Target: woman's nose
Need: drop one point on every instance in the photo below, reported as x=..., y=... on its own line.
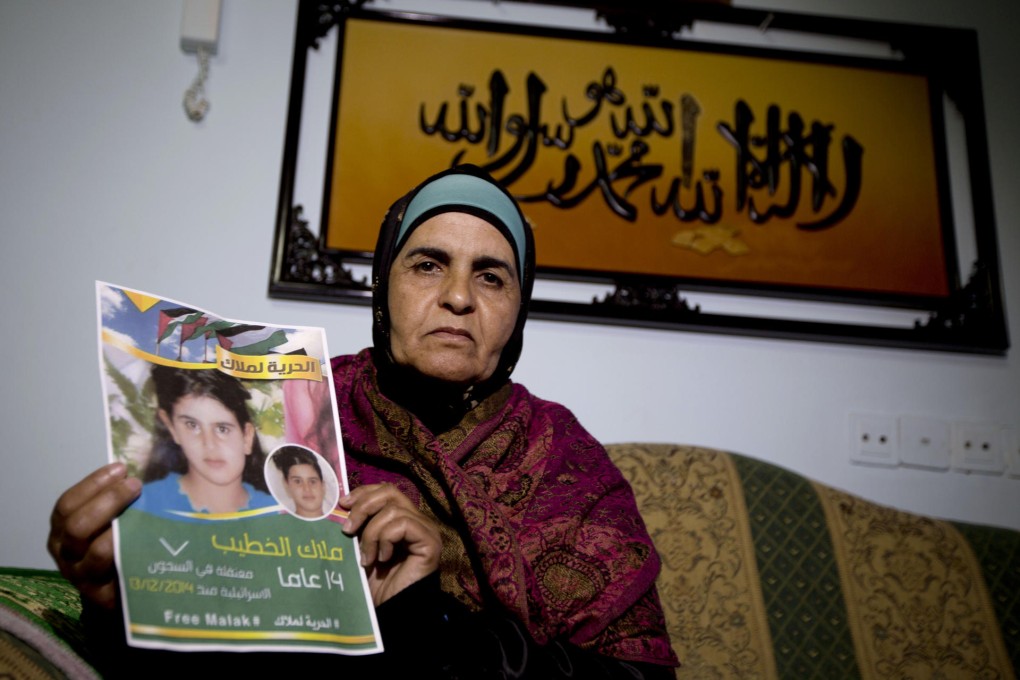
x=458, y=295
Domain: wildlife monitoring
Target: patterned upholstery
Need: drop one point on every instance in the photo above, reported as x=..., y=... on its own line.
x=769, y=575
x=40, y=635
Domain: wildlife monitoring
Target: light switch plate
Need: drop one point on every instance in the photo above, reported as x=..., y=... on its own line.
x=924, y=442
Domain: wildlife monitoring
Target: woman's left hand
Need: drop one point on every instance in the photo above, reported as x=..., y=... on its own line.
x=399, y=544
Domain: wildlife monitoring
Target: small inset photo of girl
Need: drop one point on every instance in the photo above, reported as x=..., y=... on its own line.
x=302, y=481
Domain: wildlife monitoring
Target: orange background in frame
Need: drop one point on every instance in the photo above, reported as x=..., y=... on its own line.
x=890, y=243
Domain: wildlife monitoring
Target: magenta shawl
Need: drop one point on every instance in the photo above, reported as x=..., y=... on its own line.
x=533, y=512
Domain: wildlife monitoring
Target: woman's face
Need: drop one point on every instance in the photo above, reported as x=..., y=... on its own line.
x=212, y=440
x=454, y=297
x=305, y=487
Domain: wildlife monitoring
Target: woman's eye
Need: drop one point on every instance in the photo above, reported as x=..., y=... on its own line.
x=492, y=279
x=427, y=266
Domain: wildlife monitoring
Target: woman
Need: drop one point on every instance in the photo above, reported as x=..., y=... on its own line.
x=498, y=539
x=206, y=456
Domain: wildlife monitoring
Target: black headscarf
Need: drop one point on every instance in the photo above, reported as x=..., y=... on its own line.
x=438, y=404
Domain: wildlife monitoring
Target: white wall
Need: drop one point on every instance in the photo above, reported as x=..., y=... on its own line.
x=102, y=177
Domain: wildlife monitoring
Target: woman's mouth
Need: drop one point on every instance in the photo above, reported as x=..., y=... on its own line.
x=450, y=332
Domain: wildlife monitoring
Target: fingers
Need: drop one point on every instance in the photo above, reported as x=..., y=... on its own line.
x=94, y=575
x=395, y=530
x=399, y=544
x=81, y=537
x=389, y=525
x=88, y=488
x=88, y=508
x=366, y=501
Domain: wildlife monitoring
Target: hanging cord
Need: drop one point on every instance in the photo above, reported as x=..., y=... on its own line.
x=195, y=103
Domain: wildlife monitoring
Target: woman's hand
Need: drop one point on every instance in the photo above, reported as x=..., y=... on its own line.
x=399, y=544
x=81, y=531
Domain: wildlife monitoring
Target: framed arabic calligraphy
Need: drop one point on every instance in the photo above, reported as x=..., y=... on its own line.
x=692, y=183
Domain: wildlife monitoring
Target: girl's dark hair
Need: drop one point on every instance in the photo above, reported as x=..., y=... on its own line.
x=287, y=457
x=173, y=383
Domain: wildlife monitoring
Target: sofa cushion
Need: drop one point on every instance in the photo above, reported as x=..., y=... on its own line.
x=40, y=633
x=767, y=574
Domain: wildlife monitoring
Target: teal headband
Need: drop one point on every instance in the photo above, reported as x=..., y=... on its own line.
x=471, y=192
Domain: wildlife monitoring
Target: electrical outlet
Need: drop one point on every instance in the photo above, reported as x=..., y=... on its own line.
x=874, y=440
x=977, y=447
x=924, y=442
x=1011, y=451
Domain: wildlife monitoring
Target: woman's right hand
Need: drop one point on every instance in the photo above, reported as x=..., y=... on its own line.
x=81, y=531
x=399, y=544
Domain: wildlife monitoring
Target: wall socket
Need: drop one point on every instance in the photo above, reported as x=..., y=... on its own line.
x=977, y=447
x=874, y=440
x=1011, y=451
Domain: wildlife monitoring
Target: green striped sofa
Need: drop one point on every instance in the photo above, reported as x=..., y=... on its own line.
x=767, y=574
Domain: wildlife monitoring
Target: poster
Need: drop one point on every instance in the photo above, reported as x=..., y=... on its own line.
x=236, y=542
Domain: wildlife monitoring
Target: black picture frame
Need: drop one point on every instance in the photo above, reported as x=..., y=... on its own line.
x=969, y=319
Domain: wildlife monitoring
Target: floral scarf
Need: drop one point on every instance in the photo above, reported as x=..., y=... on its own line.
x=535, y=517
